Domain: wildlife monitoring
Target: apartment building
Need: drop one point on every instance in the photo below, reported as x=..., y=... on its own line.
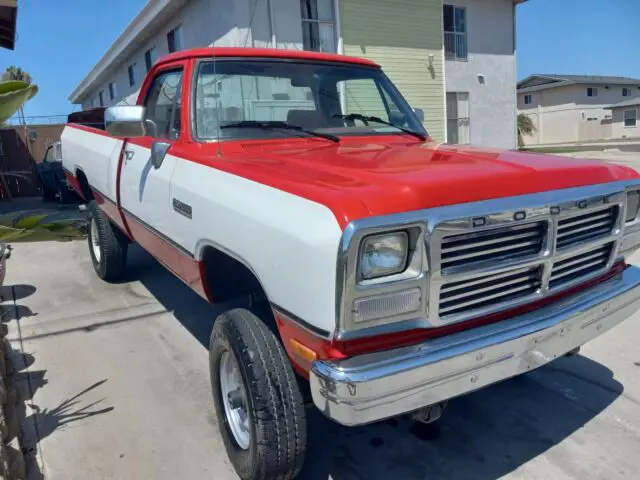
x=578, y=108
x=457, y=63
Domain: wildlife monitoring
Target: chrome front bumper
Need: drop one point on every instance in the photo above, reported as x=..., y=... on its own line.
x=372, y=387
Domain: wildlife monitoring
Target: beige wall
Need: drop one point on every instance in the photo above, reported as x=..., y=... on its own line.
x=405, y=37
x=619, y=130
x=567, y=114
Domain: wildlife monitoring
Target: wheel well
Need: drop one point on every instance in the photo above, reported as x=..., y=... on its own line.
x=228, y=279
x=84, y=185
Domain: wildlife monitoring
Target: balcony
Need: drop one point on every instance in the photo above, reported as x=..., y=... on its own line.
x=455, y=46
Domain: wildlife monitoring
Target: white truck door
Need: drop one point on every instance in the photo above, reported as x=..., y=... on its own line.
x=144, y=189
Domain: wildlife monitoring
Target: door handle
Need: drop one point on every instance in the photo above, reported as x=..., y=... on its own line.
x=128, y=154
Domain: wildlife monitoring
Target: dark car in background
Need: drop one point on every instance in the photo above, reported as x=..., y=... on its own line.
x=52, y=178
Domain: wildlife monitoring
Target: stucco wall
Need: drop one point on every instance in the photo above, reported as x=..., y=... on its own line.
x=619, y=130
x=401, y=36
x=241, y=23
x=567, y=114
x=491, y=54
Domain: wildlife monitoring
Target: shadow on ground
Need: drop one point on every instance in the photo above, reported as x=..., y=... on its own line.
x=484, y=435
x=69, y=411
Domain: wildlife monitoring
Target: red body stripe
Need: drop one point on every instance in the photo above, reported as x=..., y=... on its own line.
x=111, y=210
x=182, y=265
x=73, y=183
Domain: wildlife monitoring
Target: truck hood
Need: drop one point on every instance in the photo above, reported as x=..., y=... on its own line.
x=360, y=179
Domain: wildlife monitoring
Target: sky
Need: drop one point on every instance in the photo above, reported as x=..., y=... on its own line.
x=583, y=37
x=59, y=41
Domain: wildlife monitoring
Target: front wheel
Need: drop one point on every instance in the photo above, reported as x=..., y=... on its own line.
x=257, y=400
x=107, y=246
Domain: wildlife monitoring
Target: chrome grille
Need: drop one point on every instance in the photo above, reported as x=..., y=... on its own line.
x=586, y=227
x=467, y=295
x=579, y=266
x=491, y=245
x=493, y=260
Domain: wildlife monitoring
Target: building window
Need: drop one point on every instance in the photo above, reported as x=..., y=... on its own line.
x=626, y=92
x=150, y=58
x=527, y=99
x=458, y=121
x=592, y=92
x=112, y=91
x=101, y=98
x=455, y=32
x=132, y=74
x=318, y=25
x=174, y=39
x=630, y=117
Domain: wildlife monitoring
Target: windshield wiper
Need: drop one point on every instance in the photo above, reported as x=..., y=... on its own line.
x=366, y=119
x=279, y=125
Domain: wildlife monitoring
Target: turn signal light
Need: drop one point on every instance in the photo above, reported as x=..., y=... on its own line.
x=304, y=354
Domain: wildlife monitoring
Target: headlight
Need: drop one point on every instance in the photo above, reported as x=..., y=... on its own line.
x=383, y=255
x=633, y=205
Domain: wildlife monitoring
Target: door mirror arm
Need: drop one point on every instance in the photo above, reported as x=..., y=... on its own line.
x=159, y=150
x=152, y=128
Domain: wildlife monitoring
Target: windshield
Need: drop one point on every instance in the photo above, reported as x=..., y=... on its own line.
x=337, y=99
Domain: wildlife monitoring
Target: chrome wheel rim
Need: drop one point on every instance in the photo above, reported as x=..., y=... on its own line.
x=95, y=239
x=234, y=399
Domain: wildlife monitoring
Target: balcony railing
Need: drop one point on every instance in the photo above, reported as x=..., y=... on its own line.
x=455, y=46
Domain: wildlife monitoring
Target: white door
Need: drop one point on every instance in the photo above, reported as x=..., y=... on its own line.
x=144, y=189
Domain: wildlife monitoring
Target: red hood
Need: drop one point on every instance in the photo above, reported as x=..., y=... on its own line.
x=356, y=179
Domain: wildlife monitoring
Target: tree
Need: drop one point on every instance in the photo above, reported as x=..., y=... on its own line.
x=16, y=73
x=525, y=127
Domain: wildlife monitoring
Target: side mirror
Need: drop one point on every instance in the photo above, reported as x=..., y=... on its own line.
x=125, y=121
x=419, y=113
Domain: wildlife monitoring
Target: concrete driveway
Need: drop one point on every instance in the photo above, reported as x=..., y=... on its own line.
x=116, y=385
x=120, y=390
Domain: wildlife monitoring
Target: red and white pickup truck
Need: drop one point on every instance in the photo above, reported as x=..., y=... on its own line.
x=398, y=273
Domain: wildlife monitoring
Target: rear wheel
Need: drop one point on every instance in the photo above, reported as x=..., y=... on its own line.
x=107, y=246
x=257, y=400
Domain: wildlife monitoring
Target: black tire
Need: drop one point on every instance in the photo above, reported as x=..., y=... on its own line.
x=112, y=245
x=278, y=437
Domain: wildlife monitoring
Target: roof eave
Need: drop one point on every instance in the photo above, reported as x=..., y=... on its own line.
x=134, y=30
x=546, y=86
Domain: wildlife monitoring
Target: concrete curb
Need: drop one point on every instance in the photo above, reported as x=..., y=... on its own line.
x=12, y=462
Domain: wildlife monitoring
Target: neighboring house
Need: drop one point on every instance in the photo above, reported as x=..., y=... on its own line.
x=624, y=118
x=575, y=108
x=475, y=103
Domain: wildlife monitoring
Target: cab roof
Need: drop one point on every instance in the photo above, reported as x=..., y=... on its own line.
x=264, y=53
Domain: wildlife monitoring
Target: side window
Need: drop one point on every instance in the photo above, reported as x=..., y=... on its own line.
x=164, y=103
x=363, y=97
